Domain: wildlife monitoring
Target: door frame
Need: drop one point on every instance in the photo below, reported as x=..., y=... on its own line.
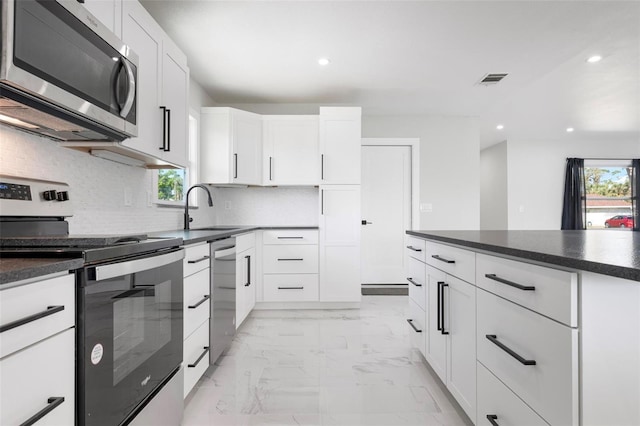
x=414, y=146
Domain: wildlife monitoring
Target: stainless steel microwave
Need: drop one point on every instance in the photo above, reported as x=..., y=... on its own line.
x=65, y=75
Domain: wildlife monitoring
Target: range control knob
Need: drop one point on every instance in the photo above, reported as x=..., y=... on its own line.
x=63, y=196
x=50, y=195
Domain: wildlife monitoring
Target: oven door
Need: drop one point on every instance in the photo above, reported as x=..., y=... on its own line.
x=129, y=334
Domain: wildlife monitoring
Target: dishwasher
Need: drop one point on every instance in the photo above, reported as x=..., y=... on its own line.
x=223, y=291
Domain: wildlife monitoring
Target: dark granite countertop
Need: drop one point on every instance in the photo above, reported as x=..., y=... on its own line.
x=609, y=252
x=20, y=268
x=213, y=233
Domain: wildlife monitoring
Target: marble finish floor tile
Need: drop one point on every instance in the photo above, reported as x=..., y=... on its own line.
x=323, y=367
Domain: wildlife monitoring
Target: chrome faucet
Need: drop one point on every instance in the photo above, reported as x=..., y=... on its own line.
x=188, y=219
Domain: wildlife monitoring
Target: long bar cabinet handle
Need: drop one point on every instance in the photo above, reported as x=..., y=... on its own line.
x=291, y=288
x=438, y=326
x=195, y=364
x=413, y=282
x=22, y=321
x=492, y=419
x=413, y=248
x=53, y=402
x=442, y=259
x=410, y=321
x=510, y=283
x=204, y=299
x=290, y=259
x=199, y=260
x=442, y=308
x=494, y=339
x=290, y=238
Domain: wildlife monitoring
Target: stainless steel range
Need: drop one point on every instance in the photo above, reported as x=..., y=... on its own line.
x=128, y=306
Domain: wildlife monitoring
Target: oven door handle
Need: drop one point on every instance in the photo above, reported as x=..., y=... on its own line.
x=131, y=267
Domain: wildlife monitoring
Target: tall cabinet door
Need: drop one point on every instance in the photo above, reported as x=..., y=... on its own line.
x=460, y=309
x=144, y=36
x=436, y=341
x=175, y=92
x=340, y=141
x=247, y=149
x=340, y=243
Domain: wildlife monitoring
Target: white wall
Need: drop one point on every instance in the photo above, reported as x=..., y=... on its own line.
x=97, y=186
x=449, y=165
x=493, y=187
x=536, y=175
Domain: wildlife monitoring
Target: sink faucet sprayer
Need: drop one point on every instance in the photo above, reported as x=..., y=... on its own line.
x=188, y=219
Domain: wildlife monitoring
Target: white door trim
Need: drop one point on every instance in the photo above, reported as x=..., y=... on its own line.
x=414, y=145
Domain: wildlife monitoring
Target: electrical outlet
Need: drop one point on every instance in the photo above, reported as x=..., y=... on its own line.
x=521, y=208
x=227, y=205
x=149, y=198
x=426, y=207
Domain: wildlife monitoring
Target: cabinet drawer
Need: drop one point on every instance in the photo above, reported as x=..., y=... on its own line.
x=54, y=296
x=298, y=259
x=495, y=399
x=196, y=300
x=417, y=327
x=290, y=236
x=550, y=386
x=33, y=376
x=415, y=247
x=196, y=356
x=551, y=292
x=454, y=261
x=290, y=288
x=196, y=258
x=416, y=276
x=245, y=241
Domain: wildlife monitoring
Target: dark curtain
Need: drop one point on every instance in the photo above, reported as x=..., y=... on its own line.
x=574, y=204
x=635, y=192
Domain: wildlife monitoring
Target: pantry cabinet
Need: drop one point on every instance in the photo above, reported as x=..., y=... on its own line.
x=340, y=224
x=340, y=145
x=231, y=146
x=163, y=87
x=290, y=146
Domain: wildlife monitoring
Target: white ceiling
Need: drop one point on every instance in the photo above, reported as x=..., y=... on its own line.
x=424, y=57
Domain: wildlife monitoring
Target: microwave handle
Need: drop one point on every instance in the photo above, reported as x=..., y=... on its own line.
x=131, y=92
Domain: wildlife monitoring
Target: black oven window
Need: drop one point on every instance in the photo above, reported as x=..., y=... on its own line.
x=141, y=326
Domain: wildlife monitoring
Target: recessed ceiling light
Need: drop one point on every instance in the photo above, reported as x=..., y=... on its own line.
x=499, y=127
x=323, y=61
x=595, y=58
x=570, y=129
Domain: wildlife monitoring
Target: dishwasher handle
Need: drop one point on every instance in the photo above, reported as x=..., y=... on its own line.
x=224, y=252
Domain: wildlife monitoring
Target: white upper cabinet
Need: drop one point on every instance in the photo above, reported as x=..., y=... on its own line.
x=108, y=12
x=231, y=146
x=290, y=150
x=340, y=140
x=163, y=87
x=175, y=98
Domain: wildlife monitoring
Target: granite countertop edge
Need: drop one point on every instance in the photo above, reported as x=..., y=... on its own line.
x=18, y=269
x=193, y=236
x=618, y=271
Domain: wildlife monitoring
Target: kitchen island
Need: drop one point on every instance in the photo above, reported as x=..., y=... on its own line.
x=530, y=327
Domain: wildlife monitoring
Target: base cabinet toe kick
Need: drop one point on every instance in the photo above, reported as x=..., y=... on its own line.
x=525, y=343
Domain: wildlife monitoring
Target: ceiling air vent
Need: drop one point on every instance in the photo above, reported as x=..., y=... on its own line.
x=492, y=78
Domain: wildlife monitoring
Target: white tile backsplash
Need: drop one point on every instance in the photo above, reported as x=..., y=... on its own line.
x=97, y=186
x=280, y=206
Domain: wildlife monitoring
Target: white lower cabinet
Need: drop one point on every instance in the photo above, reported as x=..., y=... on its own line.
x=196, y=359
x=37, y=352
x=197, y=311
x=40, y=378
x=245, y=276
x=497, y=404
x=290, y=265
x=534, y=356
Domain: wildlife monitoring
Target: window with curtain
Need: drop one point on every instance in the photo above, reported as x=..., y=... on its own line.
x=601, y=194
